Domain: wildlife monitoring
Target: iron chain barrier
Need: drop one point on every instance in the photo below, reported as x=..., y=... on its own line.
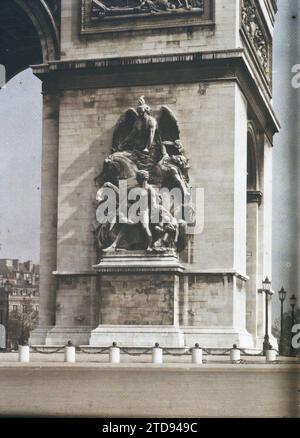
x=157, y=353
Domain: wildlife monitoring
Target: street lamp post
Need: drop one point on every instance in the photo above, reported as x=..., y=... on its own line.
x=293, y=301
x=282, y=296
x=266, y=288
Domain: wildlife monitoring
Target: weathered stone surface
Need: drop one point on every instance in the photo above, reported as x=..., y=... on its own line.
x=77, y=301
x=138, y=299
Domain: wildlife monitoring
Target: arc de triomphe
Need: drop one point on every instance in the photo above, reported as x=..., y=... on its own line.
x=204, y=67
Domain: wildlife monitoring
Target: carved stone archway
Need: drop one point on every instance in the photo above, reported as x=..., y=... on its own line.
x=29, y=33
x=252, y=161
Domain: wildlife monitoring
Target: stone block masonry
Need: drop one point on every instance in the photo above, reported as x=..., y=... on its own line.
x=139, y=299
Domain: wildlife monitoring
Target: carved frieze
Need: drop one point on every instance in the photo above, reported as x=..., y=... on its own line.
x=99, y=16
x=256, y=35
x=120, y=8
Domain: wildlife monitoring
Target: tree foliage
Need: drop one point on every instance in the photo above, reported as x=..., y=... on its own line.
x=21, y=324
x=287, y=330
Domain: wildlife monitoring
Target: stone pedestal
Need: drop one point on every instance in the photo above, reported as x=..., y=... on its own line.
x=139, y=300
x=219, y=338
x=137, y=336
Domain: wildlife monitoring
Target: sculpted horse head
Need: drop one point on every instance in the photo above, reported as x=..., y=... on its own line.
x=118, y=166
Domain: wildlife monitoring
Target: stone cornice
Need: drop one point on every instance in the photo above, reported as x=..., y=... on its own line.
x=228, y=65
x=138, y=262
x=221, y=272
x=103, y=63
x=183, y=270
x=74, y=273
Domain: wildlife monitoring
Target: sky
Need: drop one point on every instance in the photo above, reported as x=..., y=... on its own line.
x=20, y=162
x=20, y=152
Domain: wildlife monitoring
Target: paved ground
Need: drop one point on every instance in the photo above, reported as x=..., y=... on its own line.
x=92, y=387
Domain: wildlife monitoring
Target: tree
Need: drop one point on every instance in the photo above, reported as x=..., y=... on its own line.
x=287, y=330
x=20, y=324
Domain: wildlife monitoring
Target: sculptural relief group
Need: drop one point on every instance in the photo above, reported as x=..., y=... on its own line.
x=144, y=195
x=116, y=8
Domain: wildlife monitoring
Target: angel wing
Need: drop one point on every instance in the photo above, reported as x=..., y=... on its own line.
x=167, y=125
x=123, y=128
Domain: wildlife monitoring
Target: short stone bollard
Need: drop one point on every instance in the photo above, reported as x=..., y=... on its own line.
x=235, y=354
x=271, y=355
x=114, y=353
x=70, y=353
x=197, y=354
x=24, y=353
x=157, y=354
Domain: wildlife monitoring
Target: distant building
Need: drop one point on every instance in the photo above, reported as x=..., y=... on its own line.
x=19, y=288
